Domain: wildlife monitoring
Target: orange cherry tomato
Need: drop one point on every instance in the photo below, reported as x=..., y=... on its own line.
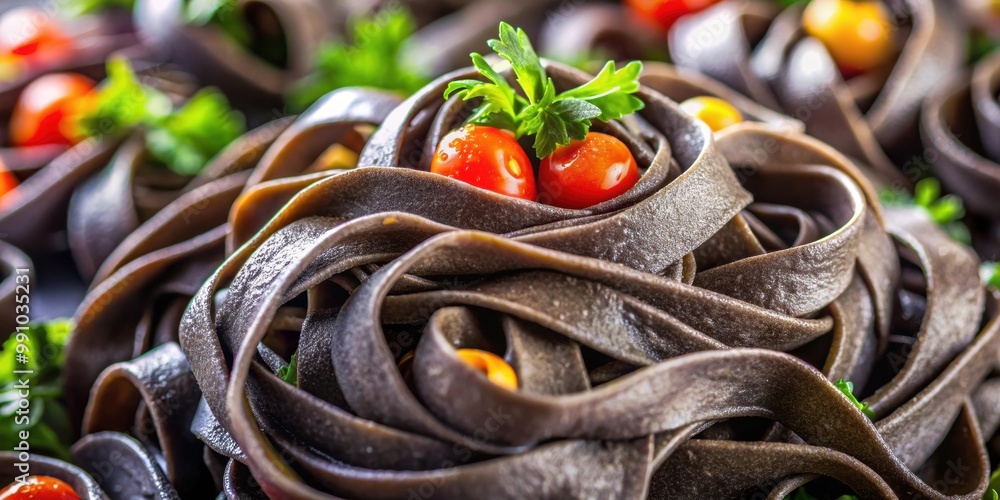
x=11, y=67
x=715, y=112
x=488, y=158
x=857, y=33
x=494, y=367
x=7, y=180
x=45, y=110
x=39, y=488
x=32, y=34
x=664, y=13
x=587, y=172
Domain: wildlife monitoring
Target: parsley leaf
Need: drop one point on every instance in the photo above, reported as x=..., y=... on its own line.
x=515, y=47
x=848, y=389
x=289, y=373
x=224, y=14
x=122, y=102
x=499, y=100
x=81, y=7
x=946, y=211
x=189, y=137
x=979, y=45
x=558, y=122
x=554, y=119
x=801, y=493
x=991, y=490
x=183, y=140
x=372, y=59
x=576, y=113
x=611, y=91
x=41, y=350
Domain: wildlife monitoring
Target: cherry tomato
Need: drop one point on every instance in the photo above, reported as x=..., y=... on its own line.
x=488, y=158
x=715, y=112
x=858, y=34
x=664, y=13
x=32, y=34
x=494, y=367
x=587, y=172
x=44, y=111
x=39, y=488
x=11, y=67
x=7, y=180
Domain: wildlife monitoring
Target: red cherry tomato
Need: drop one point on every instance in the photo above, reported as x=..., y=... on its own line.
x=32, y=34
x=488, y=158
x=587, y=172
x=39, y=488
x=664, y=13
x=44, y=111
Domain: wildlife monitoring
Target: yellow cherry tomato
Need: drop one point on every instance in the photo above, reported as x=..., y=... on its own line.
x=715, y=112
x=858, y=34
x=405, y=364
x=494, y=367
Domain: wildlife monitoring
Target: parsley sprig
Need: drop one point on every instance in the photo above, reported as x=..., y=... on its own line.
x=182, y=139
x=222, y=13
x=289, y=373
x=802, y=494
x=847, y=388
x=82, y=7
x=946, y=211
x=43, y=353
x=555, y=119
x=979, y=45
x=372, y=58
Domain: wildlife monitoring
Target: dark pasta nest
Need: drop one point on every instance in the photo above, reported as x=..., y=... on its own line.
x=689, y=328
x=765, y=55
x=959, y=125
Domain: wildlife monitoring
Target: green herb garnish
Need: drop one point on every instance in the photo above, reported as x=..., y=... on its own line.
x=554, y=119
x=262, y=36
x=800, y=493
x=189, y=137
x=182, y=139
x=122, y=103
x=848, y=389
x=372, y=58
x=225, y=14
x=991, y=490
x=979, y=45
x=39, y=350
x=82, y=7
x=289, y=373
x=946, y=211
